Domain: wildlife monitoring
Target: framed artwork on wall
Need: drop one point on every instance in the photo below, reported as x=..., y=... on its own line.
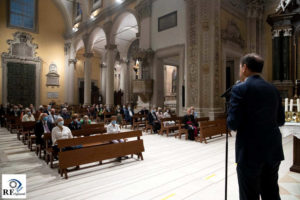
x=167, y=21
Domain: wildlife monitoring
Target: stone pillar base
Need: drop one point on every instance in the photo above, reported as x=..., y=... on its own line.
x=285, y=88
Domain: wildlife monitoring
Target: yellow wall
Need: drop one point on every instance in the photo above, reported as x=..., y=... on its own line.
x=50, y=44
x=79, y=72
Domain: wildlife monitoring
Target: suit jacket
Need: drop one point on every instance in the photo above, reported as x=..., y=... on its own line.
x=39, y=130
x=256, y=112
x=190, y=118
x=152, y=118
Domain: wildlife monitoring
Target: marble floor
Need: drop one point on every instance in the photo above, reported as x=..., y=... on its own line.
x=172, y=169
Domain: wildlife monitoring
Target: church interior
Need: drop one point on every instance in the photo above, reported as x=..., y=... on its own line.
x=97, y=63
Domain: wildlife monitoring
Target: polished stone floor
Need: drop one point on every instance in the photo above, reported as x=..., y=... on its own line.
x=172, y=169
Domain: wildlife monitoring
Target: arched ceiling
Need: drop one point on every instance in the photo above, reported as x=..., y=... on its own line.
x=126, y=33
x=66, y=8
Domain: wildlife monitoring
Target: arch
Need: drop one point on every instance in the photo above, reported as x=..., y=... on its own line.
x=79, y=44
x=97, y=40
x=66, y=11
x=121, y=17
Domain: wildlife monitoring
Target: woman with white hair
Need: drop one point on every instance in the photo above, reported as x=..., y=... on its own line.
x=60, y=132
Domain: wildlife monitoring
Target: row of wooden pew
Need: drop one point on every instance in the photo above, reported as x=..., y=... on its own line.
x=95, y=146
x=207, y=129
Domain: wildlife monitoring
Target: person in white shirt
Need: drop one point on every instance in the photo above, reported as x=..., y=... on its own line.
x=113, y=127
x=167, y=113
x=28, y=117
x=60, y=131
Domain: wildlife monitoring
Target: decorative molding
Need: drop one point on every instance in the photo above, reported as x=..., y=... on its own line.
x=276, y=33
x=283, y=4
x=52, y=76
x=192, y=53
x=88, y=55
x=287, y=32
x=232, y=33
x=235, y=7
x=110, y=47
x=72, y=61
x=144, y=9
x=21, y=50
x=21, y=47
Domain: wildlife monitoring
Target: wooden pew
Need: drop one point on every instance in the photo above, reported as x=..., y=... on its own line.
x=183, y=131
x=27, y=130
x=167, y=128
x=107, y=117
x=94, y=151
x=138, y=120
x=211, y=128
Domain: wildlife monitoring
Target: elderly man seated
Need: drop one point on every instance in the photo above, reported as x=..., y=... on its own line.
x=28, y=117
x=42, y=126
x=52, y=116
x=113, y=127
x=64, y=114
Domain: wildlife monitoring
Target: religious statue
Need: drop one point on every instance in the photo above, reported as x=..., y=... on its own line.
x=283, y=5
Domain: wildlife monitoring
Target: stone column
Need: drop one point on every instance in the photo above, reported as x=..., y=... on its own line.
x=103, y=82
x=71, y=97
x=286, y=53
x=111, y=53
x=67, y=50
x=276, y=54
x=87, y=78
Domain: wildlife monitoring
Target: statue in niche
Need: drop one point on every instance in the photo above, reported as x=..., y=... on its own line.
x=52, y=76
x=174, y=77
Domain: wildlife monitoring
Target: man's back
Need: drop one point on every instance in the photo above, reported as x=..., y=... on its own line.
x=256, y=112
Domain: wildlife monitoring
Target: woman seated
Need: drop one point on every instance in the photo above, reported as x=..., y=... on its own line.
x=159, y=113
x=85, y=120
x=113, y=127
x=75, y=124
x=60, y=132
x=191, y=125
x=167, y=113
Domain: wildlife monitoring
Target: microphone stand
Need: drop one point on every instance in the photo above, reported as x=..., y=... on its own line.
x=226, y=95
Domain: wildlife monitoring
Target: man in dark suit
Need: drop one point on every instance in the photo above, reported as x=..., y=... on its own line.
x=256, y=112
x=153, y=120
x=42, y=126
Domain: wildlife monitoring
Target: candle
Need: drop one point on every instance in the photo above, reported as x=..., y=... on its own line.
x=298, y=105
x=286, y=100
x=291, y=105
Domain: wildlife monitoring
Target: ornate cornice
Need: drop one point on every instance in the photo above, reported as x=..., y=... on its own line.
x=144, y=9
x=233, y=34
x=88, y=55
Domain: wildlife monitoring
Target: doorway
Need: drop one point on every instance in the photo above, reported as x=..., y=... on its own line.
x=21, y=83
x=170, y=87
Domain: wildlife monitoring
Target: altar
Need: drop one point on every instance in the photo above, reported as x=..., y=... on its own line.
x=292, y=128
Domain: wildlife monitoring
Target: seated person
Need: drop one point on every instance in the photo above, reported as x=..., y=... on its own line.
x=101, y=111
x=52, y=117
x=61, y=132
x=144, y=111
x=193, y=112
x=153, y=120
x=64, y=114
x=32, y=109
x=167, y=113
x=85, y=120
x=191, y=125
x=42, y=126
x=119, y=114
x=75, y=124
x=28, y=117
x=159, y=114
x=128, y=114
x=113, y=127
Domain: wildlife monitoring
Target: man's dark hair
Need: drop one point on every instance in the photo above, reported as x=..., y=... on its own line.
x=253, y=61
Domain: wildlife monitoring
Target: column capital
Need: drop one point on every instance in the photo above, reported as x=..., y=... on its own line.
x=144, y=9
x=287, y=32
x=276, y=33
x=73, y=61
x=88, y=55
x=110, y=47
